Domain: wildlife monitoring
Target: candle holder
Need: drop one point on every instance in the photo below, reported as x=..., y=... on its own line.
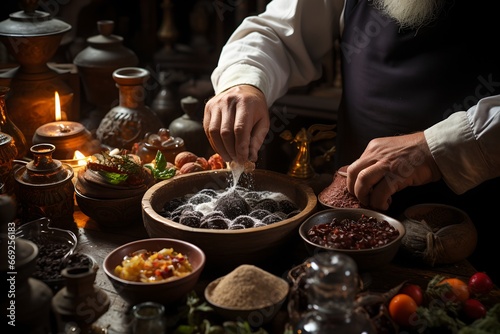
x=67, y=137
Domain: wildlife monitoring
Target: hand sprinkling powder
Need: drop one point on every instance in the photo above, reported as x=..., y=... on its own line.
x=237, y=169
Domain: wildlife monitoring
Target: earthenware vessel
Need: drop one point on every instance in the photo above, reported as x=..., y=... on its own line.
x=44, y=188
x=128, y=122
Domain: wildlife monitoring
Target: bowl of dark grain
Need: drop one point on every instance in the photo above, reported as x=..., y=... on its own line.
x=56, y=249
x=233, y=224
x=371, y=238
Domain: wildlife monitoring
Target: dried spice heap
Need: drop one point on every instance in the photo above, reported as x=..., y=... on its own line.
x=336, y=194
x=248, y=287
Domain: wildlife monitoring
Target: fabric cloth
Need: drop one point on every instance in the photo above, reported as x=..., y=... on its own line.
x=281, y=48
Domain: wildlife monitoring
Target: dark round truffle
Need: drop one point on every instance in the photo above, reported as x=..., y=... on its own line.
x=259, y=214
x=246, y=221
x=286, y=206
x=200, y=199
x=232, y=205
x=218, y=223
x=271, y=219
x=267, y=204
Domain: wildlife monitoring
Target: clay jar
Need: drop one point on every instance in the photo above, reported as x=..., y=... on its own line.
x=96, y=63
x=8, y=153
x=128, y=122
x=81, y=301
x=31, y=308
x=32, y=37
x=190, y=128
x=44, y=188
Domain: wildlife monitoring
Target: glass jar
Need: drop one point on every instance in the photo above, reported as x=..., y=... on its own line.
x=148, y=318
x=331, y=287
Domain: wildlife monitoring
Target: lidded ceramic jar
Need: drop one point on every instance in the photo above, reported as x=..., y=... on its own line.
x=31, y=310
x=96, y=63
x=132, y=119
x=44, y=188
x=8, y=127
x=32, y=37
x=8, y=153
x=190, y=128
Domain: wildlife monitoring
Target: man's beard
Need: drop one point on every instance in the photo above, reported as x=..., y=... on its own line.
x=411, y=13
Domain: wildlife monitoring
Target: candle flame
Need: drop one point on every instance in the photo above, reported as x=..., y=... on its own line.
x=80, y=157
x=58, y=107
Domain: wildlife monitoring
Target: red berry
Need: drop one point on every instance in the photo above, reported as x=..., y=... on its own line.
x=474, y=309
x=480, y=283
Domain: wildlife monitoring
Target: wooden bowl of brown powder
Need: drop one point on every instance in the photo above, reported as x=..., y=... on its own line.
x=248, y=293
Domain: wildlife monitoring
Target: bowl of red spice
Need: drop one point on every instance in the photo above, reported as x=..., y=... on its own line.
x=248, y=293
x=371, y=238
x=336, y=195
x=160, y=270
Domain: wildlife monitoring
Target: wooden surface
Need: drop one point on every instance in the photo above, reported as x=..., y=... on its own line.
x=97, y=243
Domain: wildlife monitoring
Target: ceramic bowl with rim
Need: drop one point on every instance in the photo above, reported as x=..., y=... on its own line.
x=255, y=317
x=366, y=259
x=164, y=292
x=111, y=212
x=226, y=248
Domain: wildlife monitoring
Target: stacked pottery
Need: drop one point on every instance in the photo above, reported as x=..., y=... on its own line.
x=109, y=194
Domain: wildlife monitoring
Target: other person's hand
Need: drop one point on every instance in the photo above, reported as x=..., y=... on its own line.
x=388, y=165
x=236, y=123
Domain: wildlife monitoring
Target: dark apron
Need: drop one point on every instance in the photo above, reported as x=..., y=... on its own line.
x=398, y=81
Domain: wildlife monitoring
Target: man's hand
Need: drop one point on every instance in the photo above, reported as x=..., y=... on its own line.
x=236, y=123
x=389, y=165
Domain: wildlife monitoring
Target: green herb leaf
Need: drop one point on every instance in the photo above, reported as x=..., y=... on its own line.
x=113, y=178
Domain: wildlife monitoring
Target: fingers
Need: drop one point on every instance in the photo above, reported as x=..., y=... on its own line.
x=389, y=165
x=236, y=123
x=369, y=184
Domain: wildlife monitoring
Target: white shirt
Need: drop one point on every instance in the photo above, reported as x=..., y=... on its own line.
x=283, y=47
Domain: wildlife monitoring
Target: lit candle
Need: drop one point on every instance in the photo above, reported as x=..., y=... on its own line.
x=67, y=136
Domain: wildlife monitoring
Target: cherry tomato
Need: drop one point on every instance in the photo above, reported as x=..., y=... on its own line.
x=474, y=309
x=480, y=283
x=459, y=290
x=414, y=291
x=402, y=308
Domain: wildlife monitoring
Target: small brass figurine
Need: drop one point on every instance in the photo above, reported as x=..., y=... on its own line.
x=301, y=165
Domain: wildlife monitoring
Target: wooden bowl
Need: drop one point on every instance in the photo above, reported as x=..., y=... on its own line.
x=255, y=317
x=111, y=212
x=228, y=248
x=366, y=259
x=161, y=292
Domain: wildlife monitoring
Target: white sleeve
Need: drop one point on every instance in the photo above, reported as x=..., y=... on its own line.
x=280, y=48
x=466, y=145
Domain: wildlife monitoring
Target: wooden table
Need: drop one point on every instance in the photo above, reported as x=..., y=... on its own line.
x=97, y=243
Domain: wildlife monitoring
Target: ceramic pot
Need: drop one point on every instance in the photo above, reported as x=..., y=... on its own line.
x=128, y=122
x=44, y=188
x=7, y=154
x=30, y=311
x=81, y=301
x=96, y=63
x=190, y=128
x=32, y=38
x=8, y=127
